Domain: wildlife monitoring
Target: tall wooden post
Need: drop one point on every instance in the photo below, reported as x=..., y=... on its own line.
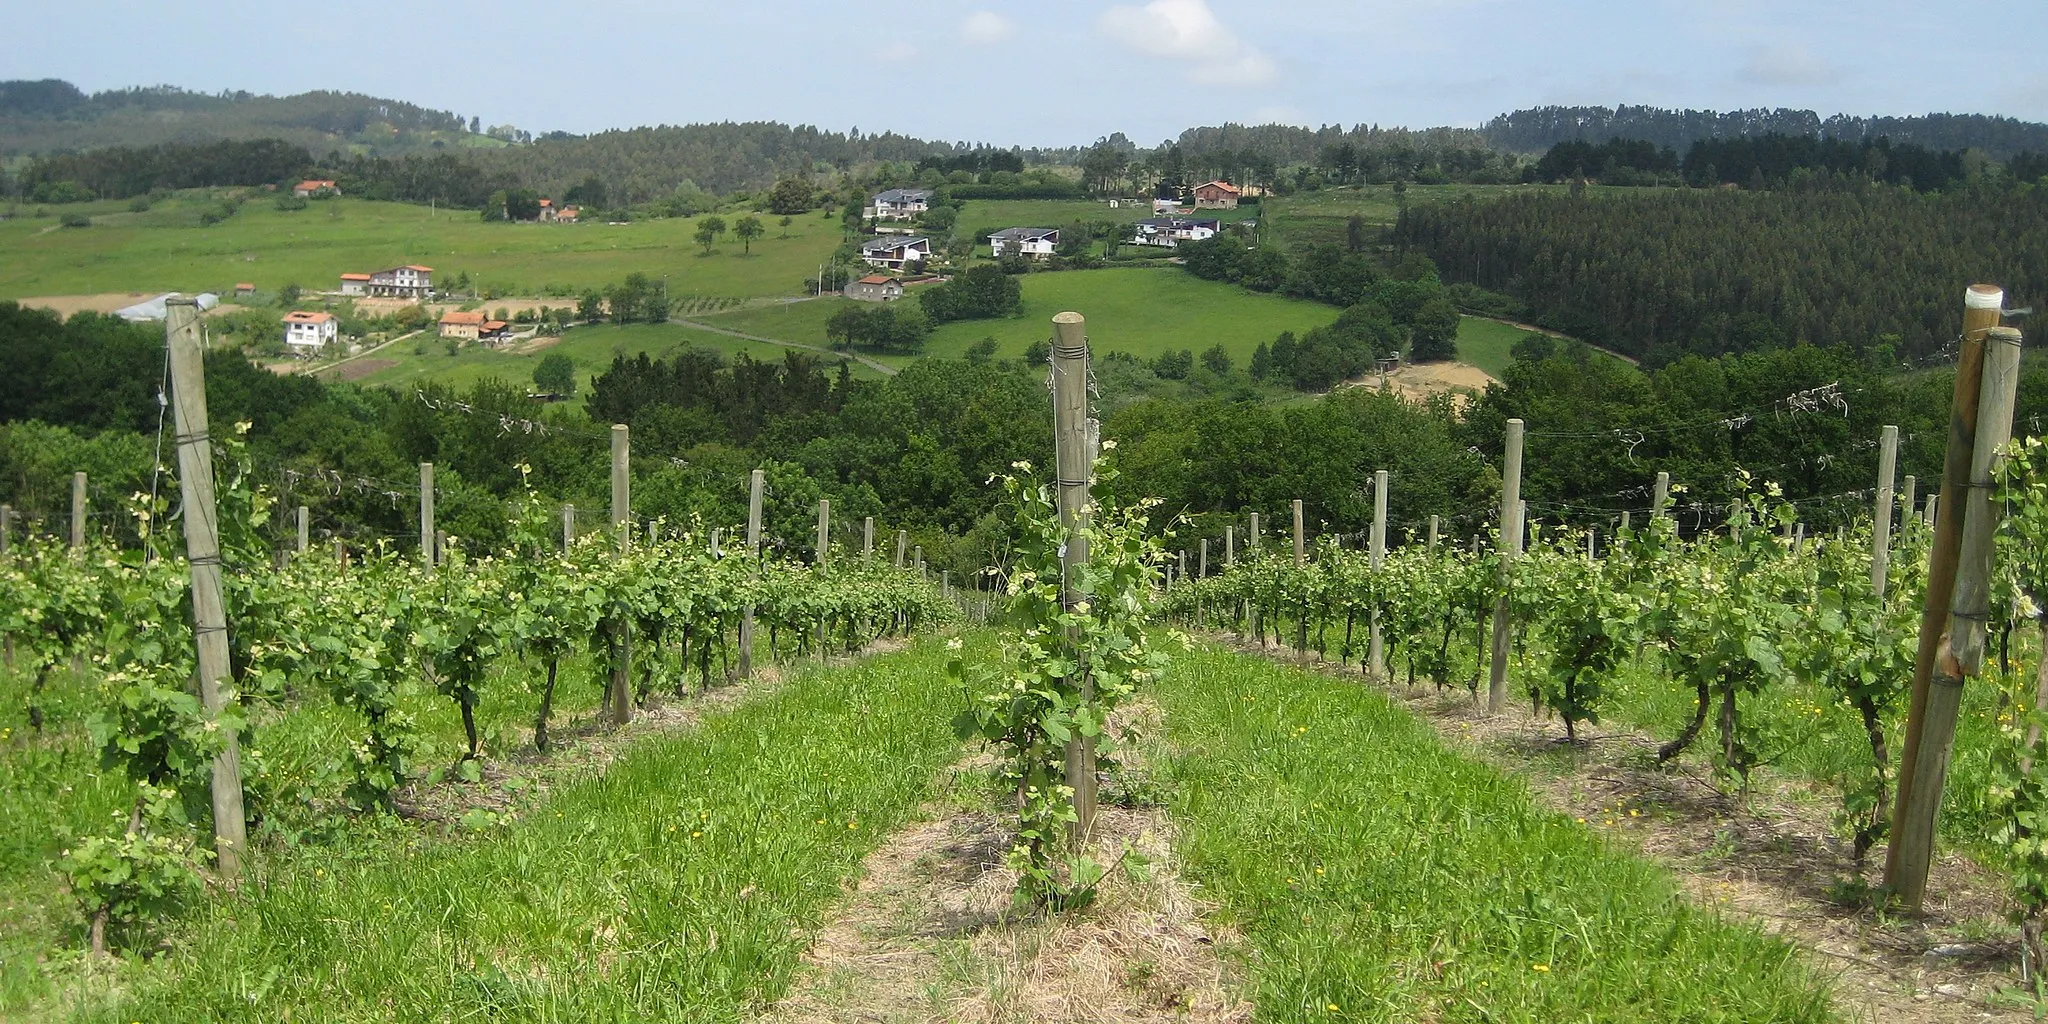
x=1230, y=545
x=1202, y=564
x=1075, y=471
x=6, y=530
x=1908, y=854
x=1435, y=521
x=1908, y=497
x=1928, y=516
x=569, y=528
x=1881, y=512
x=305, y=518
x=202, y=551
x=1300, y=538
x=1376, y=647
x=622, y=535
x=756, y=483
x=1510, y=547
x=824, y=552
x=1961, y=656
x=78, y=509
x=902, y=546
x=1660, y=498
x=867, y=539
x=427, y=513
x=1624, y=522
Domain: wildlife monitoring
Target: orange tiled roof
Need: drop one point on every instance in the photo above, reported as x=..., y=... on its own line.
x=415, y=266
x=303, y=317
x=455, y=316
x=876, y=279
x=355, y=277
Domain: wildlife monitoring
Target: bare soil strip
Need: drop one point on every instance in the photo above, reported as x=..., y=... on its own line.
x=1772, y=858
x=930, y=932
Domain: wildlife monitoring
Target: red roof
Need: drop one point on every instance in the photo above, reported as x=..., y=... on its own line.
x=1221, y=186
x=244, y=286
x=875, y=279
x=311, y=184
x=302, y=317
x=545, y=203
x=455, y=316
x=355, y=277
x=415, y=266
x=494, y=325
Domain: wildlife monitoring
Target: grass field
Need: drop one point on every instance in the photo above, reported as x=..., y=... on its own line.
x=1413, y=884
x=592, y=349
x=166, y=249
x=1320, y=217
x=1488, y=344
x=680, y=882
x=1142, y=311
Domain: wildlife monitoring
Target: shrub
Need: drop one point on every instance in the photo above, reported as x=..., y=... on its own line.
x=76, y=220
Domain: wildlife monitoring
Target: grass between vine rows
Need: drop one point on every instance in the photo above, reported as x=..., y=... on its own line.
x=1377, y=876
x=679, y=884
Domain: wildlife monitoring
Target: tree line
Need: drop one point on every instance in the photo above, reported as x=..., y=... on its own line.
x=1763, y=161
x=1665, y=273
x=1537, y=129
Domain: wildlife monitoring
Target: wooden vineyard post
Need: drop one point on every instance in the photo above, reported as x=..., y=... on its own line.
x=1908, y=498
x=823, y=553
x=569, y=528
x=202, y=551
x=427, y=513
x=1661, y=497
x=902, y=546
x=6, y=642
x=1624, y=522
x=1300, y=538
x=1376, y=648
x=78, y=510
x=622, y=535
x=867, y=539
x=1435, y=522
x=1230, y=545
x=1912, y=838
x=1881, y=511
x=1928, y=516
x=305, y=531
x=1510, y=546
x=755, y=484
x=1075, y=472
x=1251, y=539
x=1202, y=563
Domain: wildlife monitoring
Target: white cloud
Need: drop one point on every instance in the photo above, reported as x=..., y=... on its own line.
x=986, y=28
x=1781, y=64
x=1187, y=32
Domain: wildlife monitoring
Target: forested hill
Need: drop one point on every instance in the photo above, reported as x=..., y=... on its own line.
x=51, y=115
x=1539, y=128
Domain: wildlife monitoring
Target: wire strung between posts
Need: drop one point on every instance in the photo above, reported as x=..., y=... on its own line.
x=1827, y=397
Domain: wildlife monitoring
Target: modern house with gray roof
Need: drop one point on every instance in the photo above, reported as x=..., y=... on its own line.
x=1037, y=243
x=894, y=251
x=899, y=204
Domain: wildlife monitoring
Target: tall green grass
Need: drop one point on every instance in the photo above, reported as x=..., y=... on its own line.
x=1377, y=876
x=680, y=883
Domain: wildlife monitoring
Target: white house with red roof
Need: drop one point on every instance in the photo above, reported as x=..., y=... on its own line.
x=307, y=334
x=316, y=187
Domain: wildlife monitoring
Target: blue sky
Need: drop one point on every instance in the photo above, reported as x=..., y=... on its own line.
x=1057, y=72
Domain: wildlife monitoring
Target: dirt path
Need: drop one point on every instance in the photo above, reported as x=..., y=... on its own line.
x=324, y=367
x=881, y=368
x=1773, y=859
x=930, y=933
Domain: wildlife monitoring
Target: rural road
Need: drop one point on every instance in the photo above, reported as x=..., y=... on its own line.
x=881, y=368
x=320, y=369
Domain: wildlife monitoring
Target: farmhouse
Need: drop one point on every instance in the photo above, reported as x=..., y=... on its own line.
x=316, y=187
x=408, y=282
x=552, y=214
x=899, y=204
x=244, y=289
x=466, y=326
x=875, y=288
x=494, y=332
x=1037, y=243
x=1169, y=232
x=306, y=334
x=1217, y=195
x=895, y=252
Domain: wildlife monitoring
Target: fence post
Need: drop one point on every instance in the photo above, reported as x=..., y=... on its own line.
x=1881, y=513
x=1660, y=498
x=1075, y=473
x=305, y=528
x=1300, y=539
x=902, y=546
x=569, y=527
x=202, y=551
x=1928, y=516
x=824, y=553
x=1378, y=651
x=1511, y=546
x=622, y=536
x=78, y=509
x=1230, y=545
x=427, y=513
x=756, y=482
x=1202, y=564
x=867, y=539
x=1434, y=522
x=6, y=642
x=1907, y=855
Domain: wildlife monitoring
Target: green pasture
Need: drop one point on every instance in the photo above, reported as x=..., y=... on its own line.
x=1308, y=218
x=591, y=348
x=1142, y=311
x=166, y=248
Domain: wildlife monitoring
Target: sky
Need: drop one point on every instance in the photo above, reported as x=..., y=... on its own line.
x=1063, y=72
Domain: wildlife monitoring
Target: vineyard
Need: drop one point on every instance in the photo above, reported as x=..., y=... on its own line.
x=669, y=770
